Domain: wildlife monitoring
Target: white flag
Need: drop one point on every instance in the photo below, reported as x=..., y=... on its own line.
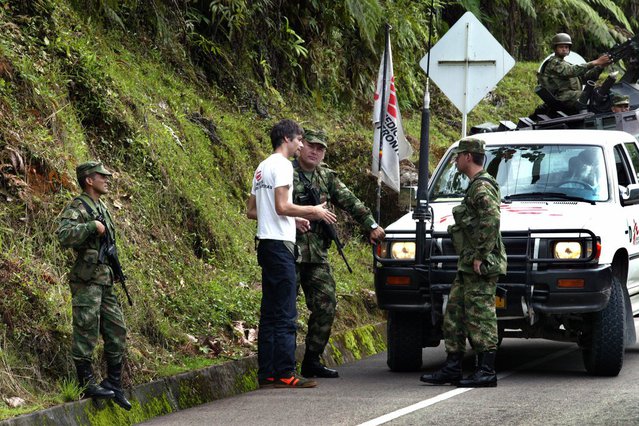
x=394, y=147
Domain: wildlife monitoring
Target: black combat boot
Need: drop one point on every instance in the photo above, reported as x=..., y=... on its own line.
x=312, y=367
x=87, y=382
x=485, y=375
x=451, y=372
x=113, y=382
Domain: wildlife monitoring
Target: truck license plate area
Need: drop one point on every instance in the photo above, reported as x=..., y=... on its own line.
x=500, y=302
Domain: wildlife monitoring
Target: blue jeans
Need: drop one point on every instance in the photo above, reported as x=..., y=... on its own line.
x=278, y=312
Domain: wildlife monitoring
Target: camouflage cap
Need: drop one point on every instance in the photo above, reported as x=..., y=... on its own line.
x=470, y=145
x=85, y=169
x=618, y=99
x=315, y=136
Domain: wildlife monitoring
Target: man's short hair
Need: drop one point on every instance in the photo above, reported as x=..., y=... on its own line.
x=286, y=128
x=82, y=180
x=478, y=158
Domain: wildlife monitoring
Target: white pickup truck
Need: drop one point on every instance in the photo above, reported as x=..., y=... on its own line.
x=570, y=224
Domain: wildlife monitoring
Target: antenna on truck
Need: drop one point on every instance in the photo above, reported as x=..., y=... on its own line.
x=422, y=211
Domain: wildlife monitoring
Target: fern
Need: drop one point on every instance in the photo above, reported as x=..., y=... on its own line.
x=597, y=26
x=368, y=14
x=612, y=8
x=528, y=7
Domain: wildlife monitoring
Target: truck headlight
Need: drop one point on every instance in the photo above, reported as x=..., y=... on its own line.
x=567, y=250
x=403, y=250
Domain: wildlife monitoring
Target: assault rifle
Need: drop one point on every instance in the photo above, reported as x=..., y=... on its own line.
x=312, y=197
x=108, y=254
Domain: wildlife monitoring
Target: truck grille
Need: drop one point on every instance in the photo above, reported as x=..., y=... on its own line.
x=527, y=249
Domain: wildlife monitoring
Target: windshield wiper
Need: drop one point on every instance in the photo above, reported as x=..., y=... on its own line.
x=545, y=196
x=448, y=195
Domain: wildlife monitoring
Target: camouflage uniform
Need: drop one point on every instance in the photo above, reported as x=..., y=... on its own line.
x=314, y=271
x=470, y=311
x=562, y=79
x=95, y=307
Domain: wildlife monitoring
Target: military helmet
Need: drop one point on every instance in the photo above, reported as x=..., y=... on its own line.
x=315, y=136
x=561, y=38
x=85, y=169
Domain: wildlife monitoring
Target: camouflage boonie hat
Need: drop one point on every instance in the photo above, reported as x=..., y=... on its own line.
x=618, y=99
x=85, y=169
x=315, y=136
x=470, y=145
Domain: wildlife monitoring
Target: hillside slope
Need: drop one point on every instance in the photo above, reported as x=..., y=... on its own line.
x=183, y=152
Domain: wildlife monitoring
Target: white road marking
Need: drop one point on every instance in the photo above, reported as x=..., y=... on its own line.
x=447, y=395
x=422, y=404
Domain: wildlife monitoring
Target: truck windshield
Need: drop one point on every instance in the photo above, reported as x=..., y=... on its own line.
x=540, y=172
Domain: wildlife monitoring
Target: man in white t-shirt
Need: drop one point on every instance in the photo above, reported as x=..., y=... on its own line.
x=271, y=203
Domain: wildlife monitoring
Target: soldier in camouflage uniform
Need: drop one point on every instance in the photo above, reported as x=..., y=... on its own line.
x=564, y=80
x=95, y=307
x=470, y=312
x=620, y=103
x=314, y=271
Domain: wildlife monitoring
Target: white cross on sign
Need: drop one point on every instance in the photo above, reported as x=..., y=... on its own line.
x=466, y=63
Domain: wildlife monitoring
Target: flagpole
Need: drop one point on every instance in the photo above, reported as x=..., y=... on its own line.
x=382, y=116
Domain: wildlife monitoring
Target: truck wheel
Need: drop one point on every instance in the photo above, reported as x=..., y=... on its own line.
x=404, y=331
x=603, y=348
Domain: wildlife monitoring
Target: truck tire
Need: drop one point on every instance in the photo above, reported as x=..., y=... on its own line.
x=404, y=336
x=604, y=346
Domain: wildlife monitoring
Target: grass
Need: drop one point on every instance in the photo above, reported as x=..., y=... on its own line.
x=183, y=156
x=70, y=390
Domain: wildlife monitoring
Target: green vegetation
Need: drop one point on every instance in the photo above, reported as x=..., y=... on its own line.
x=70, y=390
x=177, y=97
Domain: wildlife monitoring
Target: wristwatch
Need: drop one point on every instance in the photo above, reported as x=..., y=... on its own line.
x=374, y=226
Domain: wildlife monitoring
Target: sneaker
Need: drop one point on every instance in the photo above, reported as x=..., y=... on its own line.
x=269, y=382
x=294, y=381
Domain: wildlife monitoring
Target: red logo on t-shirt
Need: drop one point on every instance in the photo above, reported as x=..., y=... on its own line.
x=258, y=175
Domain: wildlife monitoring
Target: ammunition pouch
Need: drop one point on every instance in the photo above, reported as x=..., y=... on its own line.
x=462, y=220
x=321, y=234
x=84, y=268
x=490, y=266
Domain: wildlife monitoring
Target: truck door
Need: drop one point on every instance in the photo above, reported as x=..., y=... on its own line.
x=627, y=165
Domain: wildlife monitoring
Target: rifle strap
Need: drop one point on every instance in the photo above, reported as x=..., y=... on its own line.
x=93, y=215
x=308, y=185
x=86, y=206
x=490, y=181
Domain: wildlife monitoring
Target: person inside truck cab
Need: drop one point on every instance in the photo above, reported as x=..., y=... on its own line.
x=620, y=103
x=583, y=171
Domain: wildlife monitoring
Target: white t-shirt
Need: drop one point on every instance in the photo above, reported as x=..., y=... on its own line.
x=272, y=173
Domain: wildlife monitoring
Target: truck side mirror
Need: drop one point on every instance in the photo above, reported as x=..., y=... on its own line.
x=629, y=194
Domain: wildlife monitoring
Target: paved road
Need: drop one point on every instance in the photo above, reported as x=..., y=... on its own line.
x=540, y=382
